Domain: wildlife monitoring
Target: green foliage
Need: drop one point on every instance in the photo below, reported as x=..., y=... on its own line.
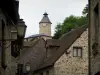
x=57, y=31
x=85, y=11
x=69, y=23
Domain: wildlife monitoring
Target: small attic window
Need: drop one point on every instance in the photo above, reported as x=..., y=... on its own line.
x=77, y=51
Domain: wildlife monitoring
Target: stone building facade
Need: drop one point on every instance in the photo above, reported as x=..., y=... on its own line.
x=68, y=64
x=73, y=61
x=94, y=38
x=5, y=56
x=10, y=41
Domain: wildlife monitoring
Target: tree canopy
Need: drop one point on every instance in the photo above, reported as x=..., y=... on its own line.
x=85, y=11
x=71, y=22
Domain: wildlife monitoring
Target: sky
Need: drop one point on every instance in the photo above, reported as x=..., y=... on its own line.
x=32, y=12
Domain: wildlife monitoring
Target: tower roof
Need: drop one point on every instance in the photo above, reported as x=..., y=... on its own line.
x=45, y=19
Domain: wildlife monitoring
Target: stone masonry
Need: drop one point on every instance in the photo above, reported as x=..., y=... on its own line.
x=94, y=35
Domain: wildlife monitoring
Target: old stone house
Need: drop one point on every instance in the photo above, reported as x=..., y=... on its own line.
x=94, y=38
x=10, y=40
x=57, y=57
x=67, y=59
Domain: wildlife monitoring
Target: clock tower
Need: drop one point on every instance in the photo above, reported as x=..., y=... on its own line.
x=45, y=25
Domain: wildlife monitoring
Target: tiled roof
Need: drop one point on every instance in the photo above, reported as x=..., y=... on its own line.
x=45, y=19
x=65, y=42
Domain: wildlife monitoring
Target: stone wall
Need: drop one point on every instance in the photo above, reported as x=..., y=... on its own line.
x=7, y=46
x=94, y=60
x=10, y=61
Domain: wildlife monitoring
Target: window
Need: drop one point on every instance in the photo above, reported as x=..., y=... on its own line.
x=19, y=69
x=47, y=72
x=77, y=51
x=15, y=49
x=74, y=52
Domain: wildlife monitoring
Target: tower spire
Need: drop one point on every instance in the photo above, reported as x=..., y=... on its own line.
x=45, y=14
x=45, y=19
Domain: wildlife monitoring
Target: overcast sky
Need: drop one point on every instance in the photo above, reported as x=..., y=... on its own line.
x=32, y=12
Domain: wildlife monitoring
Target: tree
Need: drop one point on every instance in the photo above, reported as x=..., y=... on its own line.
x=85, y=10
x=57, y=33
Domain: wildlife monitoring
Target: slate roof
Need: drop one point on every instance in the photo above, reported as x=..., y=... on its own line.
x=66, y=41
x=38, y=35
x=45, y=19
x=34, y=53
x=30, y=43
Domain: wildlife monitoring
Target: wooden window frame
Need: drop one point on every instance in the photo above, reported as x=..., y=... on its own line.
x=77, y=55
